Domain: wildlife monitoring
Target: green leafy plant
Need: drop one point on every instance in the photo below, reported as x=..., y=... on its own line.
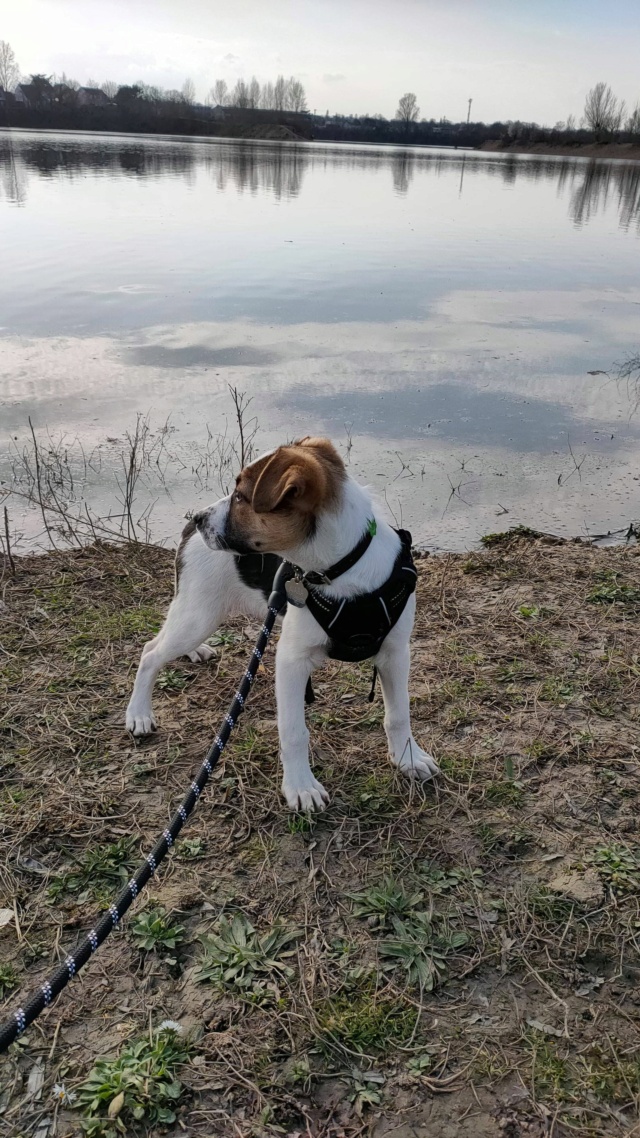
x=383, y=901
x=100, y=869
x=618, y=867
x=365, y=1090
x=442, y=880
x=611, y=590
x=236, y=956
x=171, y=680
x=8, y=979
x=190, y=848
x=139, y=1085
x=529, y=612
x=420, y=950
x=152, y=930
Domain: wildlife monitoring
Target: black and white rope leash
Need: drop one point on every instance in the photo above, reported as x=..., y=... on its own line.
x=43, y=996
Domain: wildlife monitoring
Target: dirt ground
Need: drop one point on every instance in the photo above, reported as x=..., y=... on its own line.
x=439, y=962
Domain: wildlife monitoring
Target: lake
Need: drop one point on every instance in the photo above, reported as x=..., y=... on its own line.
x=453, y=320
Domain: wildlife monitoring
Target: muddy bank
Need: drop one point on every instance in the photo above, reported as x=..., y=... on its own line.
x=477, y=936
x=627, y=151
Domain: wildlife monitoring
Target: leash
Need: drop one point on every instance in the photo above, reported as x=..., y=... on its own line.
x=44, y=996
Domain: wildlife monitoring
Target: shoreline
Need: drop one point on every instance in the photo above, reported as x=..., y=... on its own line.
x=620, y=151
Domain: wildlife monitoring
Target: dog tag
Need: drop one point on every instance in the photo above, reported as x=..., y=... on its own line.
x=297, y=592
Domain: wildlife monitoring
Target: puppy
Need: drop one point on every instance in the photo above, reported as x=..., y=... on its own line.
x=299, y=504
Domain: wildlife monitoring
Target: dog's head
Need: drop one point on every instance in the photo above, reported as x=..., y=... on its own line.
x=277, y=500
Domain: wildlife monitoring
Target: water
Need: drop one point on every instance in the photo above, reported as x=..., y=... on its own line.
x=437, y=313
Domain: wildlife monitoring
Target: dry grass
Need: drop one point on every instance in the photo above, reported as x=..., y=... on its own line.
x=512, y=882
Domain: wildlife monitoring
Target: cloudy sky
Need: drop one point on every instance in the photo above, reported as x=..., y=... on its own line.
x=526, y=59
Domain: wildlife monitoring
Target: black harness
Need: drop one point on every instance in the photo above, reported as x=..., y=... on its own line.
x=356, y=627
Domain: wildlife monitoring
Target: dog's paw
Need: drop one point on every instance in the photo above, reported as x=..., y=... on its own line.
x=305, y=795
x=202, y=654
x=416, y=763
x=140, y=723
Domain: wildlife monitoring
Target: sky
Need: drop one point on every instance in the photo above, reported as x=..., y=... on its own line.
x=517, y=59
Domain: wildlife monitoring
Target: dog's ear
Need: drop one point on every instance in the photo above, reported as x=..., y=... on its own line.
x=295, y=478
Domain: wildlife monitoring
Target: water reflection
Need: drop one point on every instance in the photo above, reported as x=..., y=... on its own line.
x=279, y=169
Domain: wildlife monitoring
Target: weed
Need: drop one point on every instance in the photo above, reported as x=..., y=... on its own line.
x=364, y=1022
x=550, y=1075
x=529, y=612
x=365, y=1092
x=442, y=880
x=505, y=793
x=100, y=870
x=236, y=956
x=547, y=906
x=300, y=823
x=384, y=901
x=299, y=1074
x=172, y=680
x=556, y=689
x=190, y=848
x=8, y=979
x=420, y=950
x=610, y=1078
x=140, y=1085
x=491, y=540
x=618, y=867
x=420, y=1064
x=152, y=930
x=611, y=590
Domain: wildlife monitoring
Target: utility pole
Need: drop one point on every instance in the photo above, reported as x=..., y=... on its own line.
x=469, y=111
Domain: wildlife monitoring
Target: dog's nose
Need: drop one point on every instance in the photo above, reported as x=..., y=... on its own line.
x=199, y=519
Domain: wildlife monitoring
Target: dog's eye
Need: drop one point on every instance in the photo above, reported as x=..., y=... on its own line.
x=238, y=497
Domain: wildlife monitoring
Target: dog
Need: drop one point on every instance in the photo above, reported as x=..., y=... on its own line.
x=296, y=503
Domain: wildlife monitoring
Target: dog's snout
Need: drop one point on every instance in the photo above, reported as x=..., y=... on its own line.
x=198, y=519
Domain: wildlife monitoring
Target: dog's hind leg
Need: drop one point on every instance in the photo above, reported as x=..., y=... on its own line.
x=393, y=664
x=200, y=604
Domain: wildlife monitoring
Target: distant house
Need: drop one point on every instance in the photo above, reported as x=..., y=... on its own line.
x=92, y=97
x=34, y=95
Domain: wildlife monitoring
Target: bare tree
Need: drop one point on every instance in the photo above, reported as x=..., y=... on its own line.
x=570, y=123
x=279, y=93
x=220, y=93
x=295, y=97
x=91, y=83
x=254, y=92
x=9, y=70
x=110, y=88
x=408, y=109
x=633, y=121
x=189, y=92
x=240, y=94
x=267, y=98
x=63, y=80
x=603, y=111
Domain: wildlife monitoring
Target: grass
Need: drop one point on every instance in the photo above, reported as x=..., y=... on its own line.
x=340, y=968
x=364, y=1022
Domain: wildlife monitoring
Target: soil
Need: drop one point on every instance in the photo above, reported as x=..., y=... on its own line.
x=626, y=151
x=519, y=864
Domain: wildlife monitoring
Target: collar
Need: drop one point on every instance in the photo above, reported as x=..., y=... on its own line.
x=313, y=577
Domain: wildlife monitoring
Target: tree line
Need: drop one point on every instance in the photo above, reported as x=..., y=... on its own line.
x=604, y=114
x=145, y=106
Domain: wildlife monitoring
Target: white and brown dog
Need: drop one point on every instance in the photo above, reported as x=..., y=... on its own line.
x=295, y=503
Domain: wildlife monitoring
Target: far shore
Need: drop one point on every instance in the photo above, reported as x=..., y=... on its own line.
x=625, y=151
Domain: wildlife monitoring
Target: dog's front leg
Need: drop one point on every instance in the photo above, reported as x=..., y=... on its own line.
x=393, y=665
x=301, y=790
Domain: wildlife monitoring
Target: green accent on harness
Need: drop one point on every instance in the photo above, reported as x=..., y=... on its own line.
x=372, y=527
